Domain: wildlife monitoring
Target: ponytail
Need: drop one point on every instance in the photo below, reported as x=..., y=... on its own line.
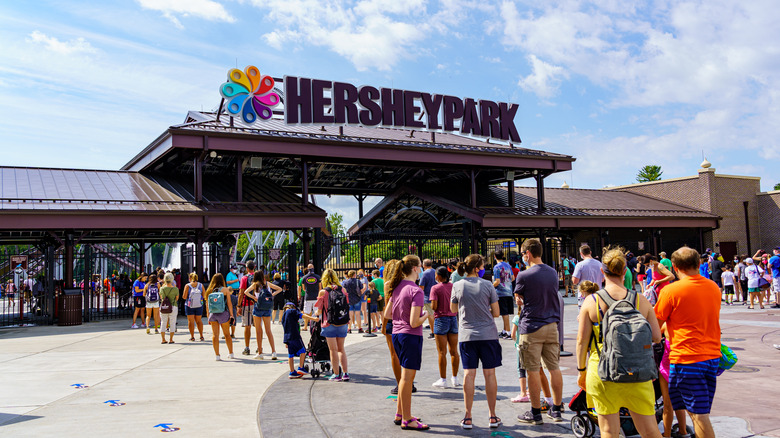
x=471, y=263
x=396, y=270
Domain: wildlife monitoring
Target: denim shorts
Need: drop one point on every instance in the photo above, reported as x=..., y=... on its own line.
x=372, y=308
x=389, y=328
x=335, y=331
x=445, y=325
x=196, y=311
x=261, y=313
x=354, y=307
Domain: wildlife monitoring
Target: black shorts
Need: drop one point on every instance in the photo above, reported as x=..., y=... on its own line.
x=279, y=304
x=506, y=305
x=729, y=289
x=139, y=302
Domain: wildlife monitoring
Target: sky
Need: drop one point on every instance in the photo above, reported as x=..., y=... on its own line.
x=618, y=84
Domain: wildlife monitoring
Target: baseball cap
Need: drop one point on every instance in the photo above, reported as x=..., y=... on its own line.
x=749, y=261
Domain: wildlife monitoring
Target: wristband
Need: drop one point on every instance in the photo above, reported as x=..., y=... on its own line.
x=582, y=369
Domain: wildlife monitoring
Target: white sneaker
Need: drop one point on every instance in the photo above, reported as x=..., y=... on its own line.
x=273, y=355
x=230, y=356
x=455, y=381
x=441, y=383
x=218, y=358
x=258, y=356
x=135, y=326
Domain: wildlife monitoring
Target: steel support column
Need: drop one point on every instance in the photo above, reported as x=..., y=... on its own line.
x=87, y=290
x=239, y=179
x=49, y=285
x=540, y=203
x=199, y=255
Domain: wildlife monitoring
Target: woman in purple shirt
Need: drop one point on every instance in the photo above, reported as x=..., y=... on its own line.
x=408, y=316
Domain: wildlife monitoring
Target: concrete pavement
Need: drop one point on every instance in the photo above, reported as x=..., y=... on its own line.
x=181, y=385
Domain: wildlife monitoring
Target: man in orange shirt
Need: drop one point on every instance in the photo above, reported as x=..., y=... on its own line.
x=691, y=310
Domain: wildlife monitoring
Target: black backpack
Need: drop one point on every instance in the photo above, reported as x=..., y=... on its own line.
x=338, y=306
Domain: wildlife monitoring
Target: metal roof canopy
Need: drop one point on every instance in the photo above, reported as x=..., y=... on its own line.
x=117, y=206
x=351, y=160
x=421, y=209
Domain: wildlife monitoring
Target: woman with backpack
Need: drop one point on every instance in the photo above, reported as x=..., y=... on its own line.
x=753, y=273
x=333, y=309
x=193, y=305
x=408, y=316
x=260, y=291
x=169, y=295
x=220, y=309
x=152, y=296
x=609, y=395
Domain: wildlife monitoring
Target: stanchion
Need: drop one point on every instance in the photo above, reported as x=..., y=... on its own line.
x=564, y=353
x=370, y=333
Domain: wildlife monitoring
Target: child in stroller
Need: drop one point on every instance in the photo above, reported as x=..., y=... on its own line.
x=585, y=422
x=317, y=352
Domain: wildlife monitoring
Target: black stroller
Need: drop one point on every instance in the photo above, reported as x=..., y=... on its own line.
x=585, y=423
x=317, y=360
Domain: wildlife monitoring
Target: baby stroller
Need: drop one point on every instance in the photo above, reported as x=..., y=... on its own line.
x=317, y=360
x=585, y=422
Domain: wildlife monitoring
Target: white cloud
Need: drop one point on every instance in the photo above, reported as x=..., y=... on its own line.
x=544, y=79
x=75, y=46
x=171, y=9
x=371, y=34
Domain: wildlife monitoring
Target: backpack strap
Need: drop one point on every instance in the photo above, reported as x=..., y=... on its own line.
x=632, y=297
x=604, y=295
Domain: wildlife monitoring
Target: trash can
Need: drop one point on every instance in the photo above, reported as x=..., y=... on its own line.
x=70, y=307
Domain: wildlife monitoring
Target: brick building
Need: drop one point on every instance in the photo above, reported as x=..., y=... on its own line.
x=750, y=218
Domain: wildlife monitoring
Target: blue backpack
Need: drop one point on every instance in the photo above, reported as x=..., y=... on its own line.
x=216, y=302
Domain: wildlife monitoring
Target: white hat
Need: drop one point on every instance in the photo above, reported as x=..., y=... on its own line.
x=749, y=261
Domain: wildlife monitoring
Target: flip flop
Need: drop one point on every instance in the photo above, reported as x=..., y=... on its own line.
x=193, y=339
x=171, y=342
x=496, y=423
x=463, y=424
x=164, y=342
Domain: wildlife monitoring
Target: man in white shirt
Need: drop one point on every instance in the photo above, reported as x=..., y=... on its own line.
x=588, y=269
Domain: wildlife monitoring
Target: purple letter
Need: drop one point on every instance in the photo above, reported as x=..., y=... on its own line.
x=453, y=110
x=297, y=101
x=392, y=107
x=470, y=122
x=489, y=118
x=372, y=114
x=319, y=101
x=344, y=98
x=432, y=105
x=411, y=110
x=507, y=121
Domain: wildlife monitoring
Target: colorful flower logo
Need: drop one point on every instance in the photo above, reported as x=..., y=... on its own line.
x=249, y=93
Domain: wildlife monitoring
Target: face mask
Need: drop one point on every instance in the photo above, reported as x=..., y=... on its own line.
x=481, y=273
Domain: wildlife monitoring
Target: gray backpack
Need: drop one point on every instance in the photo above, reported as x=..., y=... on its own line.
x=627, y=342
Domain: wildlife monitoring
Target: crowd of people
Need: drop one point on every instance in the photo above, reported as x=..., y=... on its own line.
x=672, y=305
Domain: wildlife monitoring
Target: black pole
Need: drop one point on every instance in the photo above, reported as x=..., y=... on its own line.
x=747, y=228
x=87, y=283
x=369, y=333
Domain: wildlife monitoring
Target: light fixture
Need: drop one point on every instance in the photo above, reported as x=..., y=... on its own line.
x=213, y=154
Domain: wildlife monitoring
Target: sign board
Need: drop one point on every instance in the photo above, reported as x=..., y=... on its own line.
x=641, y=245
x=18, y=261
x=252, y=95
x=275, y=254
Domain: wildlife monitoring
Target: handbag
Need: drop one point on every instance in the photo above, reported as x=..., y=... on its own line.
x=762, y=282
x=727, y=359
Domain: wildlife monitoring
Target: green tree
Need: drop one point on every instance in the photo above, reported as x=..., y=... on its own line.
x=336, y=222
x=649, y=173
x=777, y=186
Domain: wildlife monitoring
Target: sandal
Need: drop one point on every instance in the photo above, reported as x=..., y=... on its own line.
x=419, y=426
x=463, y=424
x=399, y=417
x=164, y=342
x=201, y=339
x=496, y=423
x=171, y=342
x=193, y=339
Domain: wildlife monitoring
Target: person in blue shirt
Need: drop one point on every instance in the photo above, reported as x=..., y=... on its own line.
x=292, y=338
x=427, y=281
x=704, y=266
x=502, y=281
x=139, y=301
x=774, y=266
